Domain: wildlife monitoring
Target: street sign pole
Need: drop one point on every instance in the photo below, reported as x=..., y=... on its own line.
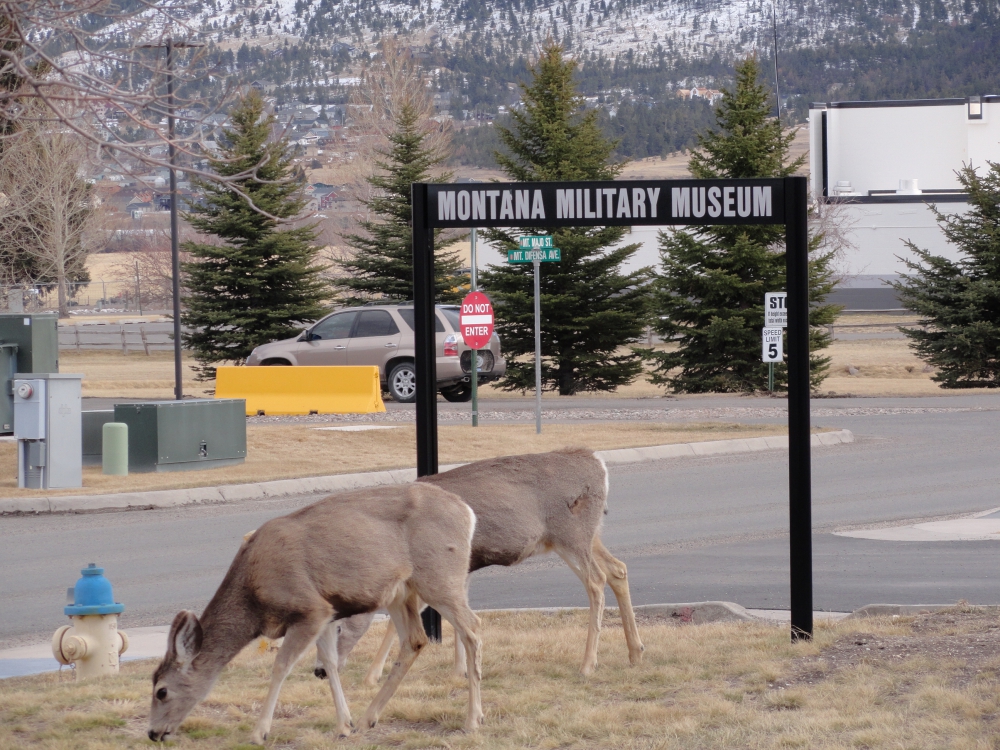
x=425, y=359
x=799, y=465
x=475, y=352
x=538, y=353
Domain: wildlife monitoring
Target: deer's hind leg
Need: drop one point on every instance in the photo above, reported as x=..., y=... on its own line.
x=298, y=638
x=405, y=614
x=617, y=575
x=349, y=631
x=468, y=643
x=378, y=664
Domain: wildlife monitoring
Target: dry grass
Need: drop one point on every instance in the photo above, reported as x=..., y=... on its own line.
x=111, y=374
x=878, y=683
x=885, y=367
x=286, y=451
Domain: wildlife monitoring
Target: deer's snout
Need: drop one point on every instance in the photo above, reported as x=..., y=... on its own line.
x=157, y=736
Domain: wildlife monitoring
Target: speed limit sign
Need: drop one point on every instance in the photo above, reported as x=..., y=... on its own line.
x=771, y=339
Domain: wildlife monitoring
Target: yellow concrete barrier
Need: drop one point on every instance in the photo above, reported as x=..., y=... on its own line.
x=302, y=390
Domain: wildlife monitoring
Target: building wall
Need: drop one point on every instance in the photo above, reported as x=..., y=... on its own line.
x=875, y=145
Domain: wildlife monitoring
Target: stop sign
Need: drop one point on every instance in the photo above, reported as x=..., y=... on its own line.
x=475, y=321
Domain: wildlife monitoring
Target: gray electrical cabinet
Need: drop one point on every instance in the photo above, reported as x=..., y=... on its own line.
x=29, y=343
x=47, y=425
x=184, y=435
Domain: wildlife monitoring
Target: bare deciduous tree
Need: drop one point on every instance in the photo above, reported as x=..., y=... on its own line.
x=50, y=215
x=113, y=74
x=147, y=256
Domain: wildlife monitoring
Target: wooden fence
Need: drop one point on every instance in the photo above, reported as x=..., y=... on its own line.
x=128, y=337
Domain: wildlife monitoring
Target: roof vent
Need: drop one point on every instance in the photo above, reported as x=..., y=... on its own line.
x=908, y=187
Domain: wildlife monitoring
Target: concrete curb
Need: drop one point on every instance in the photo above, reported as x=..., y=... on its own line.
x=888, y=610
x=232, y=493
x=696, y=613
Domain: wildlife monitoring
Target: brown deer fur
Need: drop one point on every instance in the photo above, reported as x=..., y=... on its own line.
x=351, y=553
x=524, y=506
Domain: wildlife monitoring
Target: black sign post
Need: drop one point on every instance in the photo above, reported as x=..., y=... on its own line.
x=634, y=203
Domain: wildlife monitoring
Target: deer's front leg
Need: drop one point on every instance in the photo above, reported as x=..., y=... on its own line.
x=326, y=648
x=298, y=638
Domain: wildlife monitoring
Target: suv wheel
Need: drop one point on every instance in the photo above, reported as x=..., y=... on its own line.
x=403, y=383
x=458, y=393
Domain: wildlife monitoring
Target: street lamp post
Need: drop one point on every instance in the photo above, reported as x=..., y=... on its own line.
x=175, y=258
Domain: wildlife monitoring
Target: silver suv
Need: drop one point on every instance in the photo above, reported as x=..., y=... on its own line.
x=382, y=335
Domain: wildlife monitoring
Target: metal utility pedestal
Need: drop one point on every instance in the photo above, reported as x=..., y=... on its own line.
x=49, y=430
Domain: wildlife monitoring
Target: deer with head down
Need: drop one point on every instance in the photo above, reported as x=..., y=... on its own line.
x=348, y=554
x=524, y=506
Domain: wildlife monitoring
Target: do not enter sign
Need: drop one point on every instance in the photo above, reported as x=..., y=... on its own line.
x=475, y=320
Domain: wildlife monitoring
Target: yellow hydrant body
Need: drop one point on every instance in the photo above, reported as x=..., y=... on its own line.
x=93, y=642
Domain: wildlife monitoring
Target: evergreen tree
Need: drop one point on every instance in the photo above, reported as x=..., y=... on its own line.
x=959, y=301
x=709, y=297
x=589, y=307
x=382, y=265
x=260, y=282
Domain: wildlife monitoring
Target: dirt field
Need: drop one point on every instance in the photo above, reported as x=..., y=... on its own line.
x=929, y=681
x=288, y=451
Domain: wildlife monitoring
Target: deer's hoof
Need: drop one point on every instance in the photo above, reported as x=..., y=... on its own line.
x=474, y=724
x=320, y=672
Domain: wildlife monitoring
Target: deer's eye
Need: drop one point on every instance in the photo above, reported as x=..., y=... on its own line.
x=161, y=694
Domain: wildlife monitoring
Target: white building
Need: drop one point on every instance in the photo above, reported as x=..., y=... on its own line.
x=886, y=161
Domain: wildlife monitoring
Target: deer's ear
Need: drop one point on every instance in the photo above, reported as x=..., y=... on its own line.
x=184, y=641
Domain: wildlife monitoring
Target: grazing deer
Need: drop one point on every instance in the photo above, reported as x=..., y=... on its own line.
x=527, y=505
x=345, y=555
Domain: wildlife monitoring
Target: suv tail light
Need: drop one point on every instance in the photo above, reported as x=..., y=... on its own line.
x=451, y=345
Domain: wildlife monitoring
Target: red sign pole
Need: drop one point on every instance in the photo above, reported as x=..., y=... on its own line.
x=475, y=322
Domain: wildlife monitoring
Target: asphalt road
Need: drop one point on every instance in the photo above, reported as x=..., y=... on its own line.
x=690, y=529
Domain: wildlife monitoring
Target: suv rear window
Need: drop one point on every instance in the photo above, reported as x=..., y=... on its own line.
x=451, y=313
x=375, y=323
x=406, y=313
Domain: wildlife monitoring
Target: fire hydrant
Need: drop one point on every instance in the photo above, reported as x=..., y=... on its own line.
x=93, y=642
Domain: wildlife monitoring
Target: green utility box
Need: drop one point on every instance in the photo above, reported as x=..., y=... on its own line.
x=93, y=435
x=184, y=435
x=37, y=339
x=8, y=367
x=29, y=343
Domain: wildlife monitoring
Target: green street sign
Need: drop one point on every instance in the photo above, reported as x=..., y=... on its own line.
x=536, y=241
x=524, y=255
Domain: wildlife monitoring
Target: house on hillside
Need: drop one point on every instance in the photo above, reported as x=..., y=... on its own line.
x=710, y=95
x=882, y=164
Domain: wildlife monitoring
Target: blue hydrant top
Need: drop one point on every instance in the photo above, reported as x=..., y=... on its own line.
x=92, y=595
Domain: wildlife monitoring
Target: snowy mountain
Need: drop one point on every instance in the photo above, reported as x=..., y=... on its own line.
x=688, y=29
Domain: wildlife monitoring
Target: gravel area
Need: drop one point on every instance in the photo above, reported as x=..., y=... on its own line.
x=963, y=643
x=671, y=414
